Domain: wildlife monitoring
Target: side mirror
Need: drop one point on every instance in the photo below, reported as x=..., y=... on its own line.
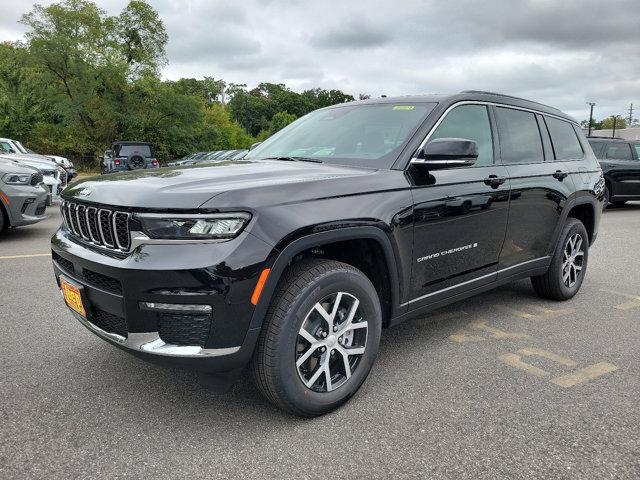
x=444, y=153
x=254, y=145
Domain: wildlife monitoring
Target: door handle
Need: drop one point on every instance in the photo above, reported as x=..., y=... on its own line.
x=560, y=175
x=494, y=181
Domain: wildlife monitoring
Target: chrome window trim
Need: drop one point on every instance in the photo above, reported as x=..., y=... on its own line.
x=480, y=102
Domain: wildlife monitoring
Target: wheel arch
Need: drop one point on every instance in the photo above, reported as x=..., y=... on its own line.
x=287, y=255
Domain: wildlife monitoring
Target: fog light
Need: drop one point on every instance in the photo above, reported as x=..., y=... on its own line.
x=175, y=307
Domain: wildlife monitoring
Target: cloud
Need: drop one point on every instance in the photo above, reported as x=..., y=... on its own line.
x=563, y=53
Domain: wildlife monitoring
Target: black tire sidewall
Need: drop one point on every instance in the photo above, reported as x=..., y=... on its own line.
x=573, y=227
x=296, y=392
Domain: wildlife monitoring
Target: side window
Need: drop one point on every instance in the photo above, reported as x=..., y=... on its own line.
x=520, y=140
x=566, y=145
x=619, y=151
x=472, y=123
x=637, y=147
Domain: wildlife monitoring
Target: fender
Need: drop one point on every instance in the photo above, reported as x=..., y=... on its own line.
x=283, y=257
x=573, y=201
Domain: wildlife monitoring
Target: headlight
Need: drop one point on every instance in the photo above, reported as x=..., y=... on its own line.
x=222, y=226
x=17, y=178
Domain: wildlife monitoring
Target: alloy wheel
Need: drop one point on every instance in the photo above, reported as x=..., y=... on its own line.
x=572, y=260
x=331, y=342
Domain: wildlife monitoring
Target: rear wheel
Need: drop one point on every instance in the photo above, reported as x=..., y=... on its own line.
x=568, y=265
x=320, y=337
x=4, y=222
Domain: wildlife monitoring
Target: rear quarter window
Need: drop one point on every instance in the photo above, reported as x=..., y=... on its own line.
x=566, y=145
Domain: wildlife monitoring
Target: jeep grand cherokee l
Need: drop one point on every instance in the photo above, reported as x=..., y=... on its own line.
x=353, y=218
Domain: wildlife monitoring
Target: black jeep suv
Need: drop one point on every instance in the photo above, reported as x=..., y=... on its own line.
x=620, y=162
x=351, y=219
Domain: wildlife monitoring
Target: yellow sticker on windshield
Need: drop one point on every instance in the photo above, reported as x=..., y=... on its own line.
x=403, y=107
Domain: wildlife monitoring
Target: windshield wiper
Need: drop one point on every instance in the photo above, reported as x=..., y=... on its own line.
x=295, y=159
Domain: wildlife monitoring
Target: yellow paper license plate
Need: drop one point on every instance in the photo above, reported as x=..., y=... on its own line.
x=72, y=297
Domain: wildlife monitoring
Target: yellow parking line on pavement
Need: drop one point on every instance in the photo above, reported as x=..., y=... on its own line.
x=584, y=374
x=10, y=257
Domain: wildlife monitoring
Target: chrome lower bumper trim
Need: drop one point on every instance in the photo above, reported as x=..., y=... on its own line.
x=150, y=342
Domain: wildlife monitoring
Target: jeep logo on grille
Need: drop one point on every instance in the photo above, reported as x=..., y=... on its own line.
x=85, y=192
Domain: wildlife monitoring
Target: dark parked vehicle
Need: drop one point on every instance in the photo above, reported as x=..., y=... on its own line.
x=125, y=156
x=620, y=162
x=351, y=219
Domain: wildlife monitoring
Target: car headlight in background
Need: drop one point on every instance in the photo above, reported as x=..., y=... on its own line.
x=219, y=226
x=17, y=178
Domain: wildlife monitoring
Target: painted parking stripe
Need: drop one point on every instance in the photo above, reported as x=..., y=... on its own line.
x=33, y=255
x=584, y=374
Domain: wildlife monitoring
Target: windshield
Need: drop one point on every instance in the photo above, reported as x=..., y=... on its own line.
x=368, y=135
x=20, y=147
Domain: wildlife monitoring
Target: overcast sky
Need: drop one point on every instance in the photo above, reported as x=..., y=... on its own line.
x=560, y=52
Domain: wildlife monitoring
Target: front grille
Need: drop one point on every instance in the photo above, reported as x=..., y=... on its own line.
x=179, y=329
x=102, y=281
x=104, y=227
x=109, y=322
x=63, y=262
x=36, y=179
x=40, y=209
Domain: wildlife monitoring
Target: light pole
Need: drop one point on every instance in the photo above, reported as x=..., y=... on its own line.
x=615, y=119
x=591, y=104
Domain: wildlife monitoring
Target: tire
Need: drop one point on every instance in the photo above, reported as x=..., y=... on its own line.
x=619, y=203
x=136, y=162
x=554, y=283
x=282, y=345
x=4, y=221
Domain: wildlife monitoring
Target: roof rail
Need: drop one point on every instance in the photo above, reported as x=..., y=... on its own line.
x=484, y=92
x=607, y=138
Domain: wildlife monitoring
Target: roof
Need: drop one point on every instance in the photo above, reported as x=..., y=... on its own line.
x=129, y=142
x=470, y=95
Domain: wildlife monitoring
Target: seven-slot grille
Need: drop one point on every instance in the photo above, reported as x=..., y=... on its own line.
x=100, y=226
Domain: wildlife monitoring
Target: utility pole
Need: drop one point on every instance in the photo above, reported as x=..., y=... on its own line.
x=615, y=119
x=630, y=116
x=591, y=104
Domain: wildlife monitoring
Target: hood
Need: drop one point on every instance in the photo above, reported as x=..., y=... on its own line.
x=190, y=187
x=11, y=166
x=47, y=165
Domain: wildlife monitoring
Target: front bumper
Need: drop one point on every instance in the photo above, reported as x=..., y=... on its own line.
x=27, y=204
x=116, y=287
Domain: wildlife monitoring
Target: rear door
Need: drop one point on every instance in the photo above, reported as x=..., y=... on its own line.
x=623, y=168
x=460, y=214
x=539, y=187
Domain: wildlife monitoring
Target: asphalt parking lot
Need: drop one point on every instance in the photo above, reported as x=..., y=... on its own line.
x=504, y=385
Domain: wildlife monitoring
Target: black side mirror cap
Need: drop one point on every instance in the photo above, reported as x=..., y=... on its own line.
x=443, y=153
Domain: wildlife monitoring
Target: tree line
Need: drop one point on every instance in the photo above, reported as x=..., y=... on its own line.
x=82, y=79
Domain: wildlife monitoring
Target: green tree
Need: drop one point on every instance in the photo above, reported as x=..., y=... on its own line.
x=607, y=123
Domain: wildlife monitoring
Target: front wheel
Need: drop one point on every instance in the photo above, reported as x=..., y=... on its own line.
x=568, y=265
x=320, y=337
